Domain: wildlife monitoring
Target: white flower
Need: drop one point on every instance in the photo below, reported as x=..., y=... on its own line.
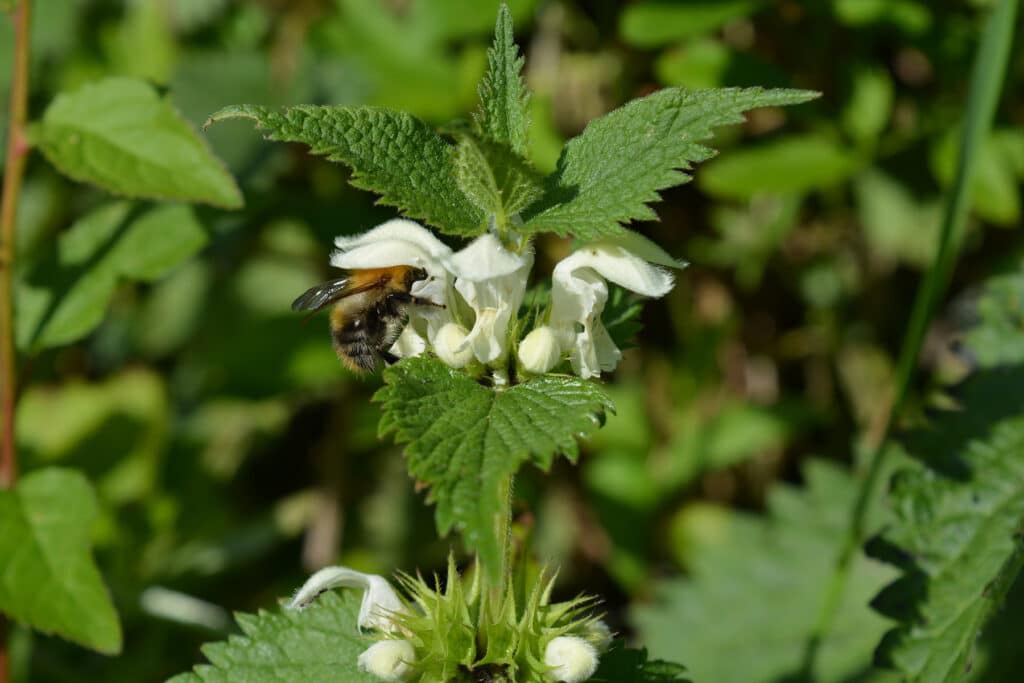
x=579, y=293
x=451, y=347
x=571, y=659
x=539, y=351
x=388, y=660
x=401, y=242
x=380, y=601
x=492, y=280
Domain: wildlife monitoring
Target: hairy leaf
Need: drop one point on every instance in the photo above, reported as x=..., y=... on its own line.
x=319, y=644
x=47, y=576
x=495, y=179
x=607, y=175
x=465, y=439
x=65, y=295
x=756, y=588
x=959, y=525
x=391, y=153
x=959, y=513
x=503, y=95
x=120, y=134
x=998, y=338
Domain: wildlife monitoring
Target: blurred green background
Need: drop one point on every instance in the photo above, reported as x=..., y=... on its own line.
x=232, y=453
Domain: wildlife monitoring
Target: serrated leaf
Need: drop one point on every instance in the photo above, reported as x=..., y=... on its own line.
x=495, y=179
x=465, y=439
x=998, y=338
x=48, y=579
x=755, y=589
x=119, y=134
x=503, y=95
x=609, y=174
x=959, y=520
x=960, y=511
x=319, y=644
x=626, y=665
x=65, y=295
x=391, y=153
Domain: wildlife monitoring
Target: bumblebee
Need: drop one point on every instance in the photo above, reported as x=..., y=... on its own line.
x=370, y=310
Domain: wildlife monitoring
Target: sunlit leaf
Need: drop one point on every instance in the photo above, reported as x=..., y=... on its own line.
x=47, y=576
x=118, y=133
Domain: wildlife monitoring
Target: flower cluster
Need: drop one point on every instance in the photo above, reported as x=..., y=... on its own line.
x=425, y=638
x=480, y=290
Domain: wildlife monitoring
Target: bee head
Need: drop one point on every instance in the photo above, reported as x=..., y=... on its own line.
x=415, y=275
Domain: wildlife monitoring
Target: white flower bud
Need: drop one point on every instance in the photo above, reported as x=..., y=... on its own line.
x=539, y=351
x=571, y=659
x=388, y=660
x=451, y=347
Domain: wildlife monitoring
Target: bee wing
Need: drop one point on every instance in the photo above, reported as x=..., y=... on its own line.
x=323, y=294
x=326, y=293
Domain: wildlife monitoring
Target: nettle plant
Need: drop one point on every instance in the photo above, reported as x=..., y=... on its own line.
x=491, y=376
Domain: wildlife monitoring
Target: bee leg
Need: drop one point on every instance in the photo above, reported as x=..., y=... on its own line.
x=420, y=301
x=389, y=357
x=406, y=298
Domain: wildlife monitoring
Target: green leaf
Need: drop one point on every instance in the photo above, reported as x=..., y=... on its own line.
x=655, y=22
x=959, y=520
x=897, y=225
x=319, y=644
x=47, y=577
x=65, y=295
x=996, y=186
x=625, y=665
x=391, y=153
x=755, y=589
x=502, y=116
x=465, y=439
x=998, y=338
x=119, y=134
x=495, y=179
x=792, y=165
x=607, y=175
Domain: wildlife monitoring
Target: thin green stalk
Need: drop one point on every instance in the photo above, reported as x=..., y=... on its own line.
x=986, y=85
x=17, y=151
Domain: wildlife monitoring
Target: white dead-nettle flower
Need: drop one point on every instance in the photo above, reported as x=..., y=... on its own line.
x=389, y=660
x=579, y=292
x=539, y=351
x=451, y=347
x=401, y=242
x=570, y=659
x=380, y=601
x=492, y=280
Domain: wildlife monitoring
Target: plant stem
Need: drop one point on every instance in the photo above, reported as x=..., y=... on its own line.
x=986, y=84
x=14, y=168
x=17, y=151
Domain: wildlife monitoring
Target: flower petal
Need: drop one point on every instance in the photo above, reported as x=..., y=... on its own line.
x=400, y=229
x=388, y=660
x=380, y=600
x=492, y=280
x=579, y=293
